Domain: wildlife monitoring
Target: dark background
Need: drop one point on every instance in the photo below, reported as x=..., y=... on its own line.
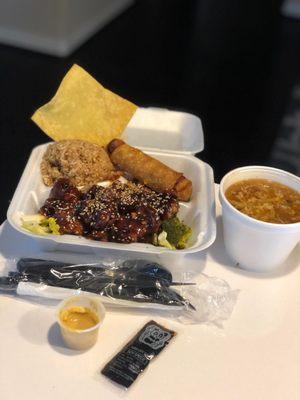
x=232, y=63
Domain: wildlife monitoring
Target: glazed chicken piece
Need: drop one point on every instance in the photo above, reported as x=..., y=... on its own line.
x=95, y=214
x=62, y=205
x=122, y=213
x=64, y=190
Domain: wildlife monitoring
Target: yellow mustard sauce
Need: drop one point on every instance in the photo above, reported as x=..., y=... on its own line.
x=265, y=200
x=78, y=318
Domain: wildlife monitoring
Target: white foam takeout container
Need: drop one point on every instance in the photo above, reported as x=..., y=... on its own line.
x=171, y=137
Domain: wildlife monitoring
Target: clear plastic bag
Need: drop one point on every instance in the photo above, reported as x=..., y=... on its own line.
x=213, y=299
x=126, y=284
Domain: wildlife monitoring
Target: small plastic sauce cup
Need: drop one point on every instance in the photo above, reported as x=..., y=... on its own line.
x=81, y=339
x=256, y=245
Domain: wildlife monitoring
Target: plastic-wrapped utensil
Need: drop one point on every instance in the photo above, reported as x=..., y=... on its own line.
x=126, y=285
x=137, y=281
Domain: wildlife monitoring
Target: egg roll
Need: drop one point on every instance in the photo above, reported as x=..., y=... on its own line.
x=149, y=171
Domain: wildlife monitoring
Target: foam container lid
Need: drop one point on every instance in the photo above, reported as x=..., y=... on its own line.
x=180, y=135
x=160, y=129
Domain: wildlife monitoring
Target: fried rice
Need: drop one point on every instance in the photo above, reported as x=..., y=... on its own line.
x=84, y=163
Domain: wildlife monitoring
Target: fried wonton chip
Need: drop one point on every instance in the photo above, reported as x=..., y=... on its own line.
x=83, y=109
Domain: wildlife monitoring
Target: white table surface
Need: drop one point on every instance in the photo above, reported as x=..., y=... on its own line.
x=255, y=356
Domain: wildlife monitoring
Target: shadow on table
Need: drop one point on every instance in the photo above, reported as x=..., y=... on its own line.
x=218, y=253
x=56, y=342
x=34, y=328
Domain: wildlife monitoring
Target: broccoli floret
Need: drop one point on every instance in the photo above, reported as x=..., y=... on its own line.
x=177, y=232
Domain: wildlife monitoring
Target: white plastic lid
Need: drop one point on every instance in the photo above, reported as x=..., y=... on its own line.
x=162, y=129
